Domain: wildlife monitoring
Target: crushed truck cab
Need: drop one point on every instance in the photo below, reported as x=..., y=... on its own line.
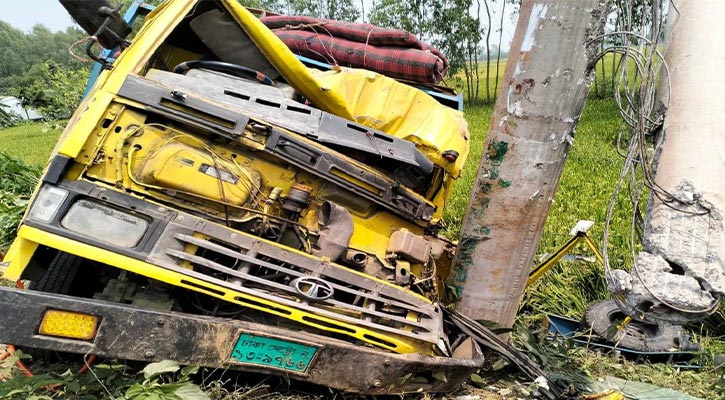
x=264, y=216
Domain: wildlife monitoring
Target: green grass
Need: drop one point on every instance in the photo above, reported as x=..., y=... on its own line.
x=588, y=181
x=602, y=87
x=31, y=142
x=458, y=80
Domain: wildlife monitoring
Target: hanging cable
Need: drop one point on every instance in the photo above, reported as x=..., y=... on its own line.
x=635, y=95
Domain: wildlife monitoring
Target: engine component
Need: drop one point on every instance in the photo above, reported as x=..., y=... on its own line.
x=409, y=246
x=297, y=199
x=336, y=231
x=440, y=247
x=275, y=193
x=181, y=167
x=402, y=272
x=356, y=258
x=229, y=122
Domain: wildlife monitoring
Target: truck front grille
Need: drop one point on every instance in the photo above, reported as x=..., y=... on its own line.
x=262, y=272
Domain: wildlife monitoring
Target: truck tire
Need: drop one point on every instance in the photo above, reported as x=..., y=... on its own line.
x=58, y=279
x=60, y=274
x=636, y=335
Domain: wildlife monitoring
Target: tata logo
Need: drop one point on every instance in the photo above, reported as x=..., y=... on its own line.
x=313, y=289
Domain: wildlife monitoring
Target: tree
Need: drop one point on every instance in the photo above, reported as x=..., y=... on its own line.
x=458, y=34
x=498, y=52
x=19, y=51
x=53, y=89
x=488, y=49
x=276, y=6
x=343, y=10
x=626, y=16
x=414, y=16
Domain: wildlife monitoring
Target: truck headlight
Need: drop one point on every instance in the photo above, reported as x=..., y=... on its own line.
x=104, y=223
x=47, y=203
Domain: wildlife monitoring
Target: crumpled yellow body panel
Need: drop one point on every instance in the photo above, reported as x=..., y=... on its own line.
x=367, y=98
x=403, y=111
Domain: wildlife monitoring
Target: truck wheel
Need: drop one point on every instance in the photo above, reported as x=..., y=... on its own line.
x=60, y=274
x=57, y=279
x=636, y=335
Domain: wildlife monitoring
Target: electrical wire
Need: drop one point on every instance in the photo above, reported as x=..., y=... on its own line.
x=80, y=41
x=636, y=98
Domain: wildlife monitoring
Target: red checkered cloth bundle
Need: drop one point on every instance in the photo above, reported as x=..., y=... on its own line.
x=391, y=52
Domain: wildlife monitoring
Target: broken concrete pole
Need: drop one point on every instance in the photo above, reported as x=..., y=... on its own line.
x=686, y=231
x=547, y=79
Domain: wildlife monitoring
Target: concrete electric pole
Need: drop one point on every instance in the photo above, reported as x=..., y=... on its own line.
x=548, y=75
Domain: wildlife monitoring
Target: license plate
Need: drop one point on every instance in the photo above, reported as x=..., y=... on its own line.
x=275, y=353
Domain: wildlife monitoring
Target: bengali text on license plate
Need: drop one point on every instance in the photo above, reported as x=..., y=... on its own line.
x=274, y=353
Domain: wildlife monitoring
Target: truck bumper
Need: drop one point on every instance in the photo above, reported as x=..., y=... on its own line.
x=130, y=333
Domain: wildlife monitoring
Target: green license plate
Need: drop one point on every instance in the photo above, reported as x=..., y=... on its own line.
x=269, y=352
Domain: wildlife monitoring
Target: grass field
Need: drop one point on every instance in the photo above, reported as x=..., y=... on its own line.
x=31, y=142
x=602, y=87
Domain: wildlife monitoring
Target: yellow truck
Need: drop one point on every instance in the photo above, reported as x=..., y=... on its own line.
x=260, y=215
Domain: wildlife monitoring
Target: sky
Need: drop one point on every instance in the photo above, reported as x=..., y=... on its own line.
x=24, y=14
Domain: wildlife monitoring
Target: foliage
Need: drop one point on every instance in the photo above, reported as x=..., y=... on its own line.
x=161, y=382
x=17, y=180
x=413, y=16
x=447, y=25
x=18, y=176
x=702, y=383
x=164, y=380
x=8, y=118
x=568, y=362
x=37, y=67
x=457, y=33
x=20, y=51
x=558, y=358
x=52, y=89
x=276, y=6
x=455, y=27
x=343, y=10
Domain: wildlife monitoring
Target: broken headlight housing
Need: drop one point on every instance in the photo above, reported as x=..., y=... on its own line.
x=47, y=203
